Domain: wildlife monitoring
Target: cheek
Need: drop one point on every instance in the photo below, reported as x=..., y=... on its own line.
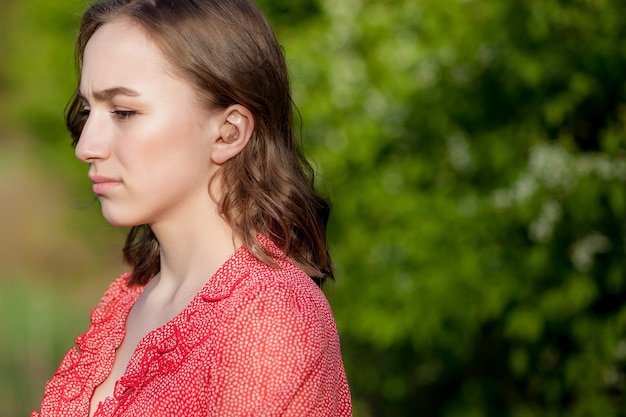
x=169, y=136
x=147, y=141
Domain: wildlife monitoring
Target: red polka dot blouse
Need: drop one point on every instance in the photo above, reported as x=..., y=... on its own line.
x=255, y=341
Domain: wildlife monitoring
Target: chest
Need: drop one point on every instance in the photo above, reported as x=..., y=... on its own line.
x=152, y=339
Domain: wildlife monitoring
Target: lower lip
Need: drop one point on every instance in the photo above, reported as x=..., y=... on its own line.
x=101, y=188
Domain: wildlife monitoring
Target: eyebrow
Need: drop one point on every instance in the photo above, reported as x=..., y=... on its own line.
x=109, y=93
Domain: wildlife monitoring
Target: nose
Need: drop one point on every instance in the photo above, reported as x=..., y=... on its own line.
x=93, y=144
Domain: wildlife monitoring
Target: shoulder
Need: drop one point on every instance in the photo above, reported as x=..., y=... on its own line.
x=284, y=302
x=287, y=280
x=246, y=283
x=289, y=287
x=277, y=308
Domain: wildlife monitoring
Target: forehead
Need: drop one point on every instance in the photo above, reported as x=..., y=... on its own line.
x=120, y=53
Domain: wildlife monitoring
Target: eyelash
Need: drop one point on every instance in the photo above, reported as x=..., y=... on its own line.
x=119, y=114
x=123, y=114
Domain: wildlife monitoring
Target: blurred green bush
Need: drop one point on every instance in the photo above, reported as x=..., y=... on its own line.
x=475, y=154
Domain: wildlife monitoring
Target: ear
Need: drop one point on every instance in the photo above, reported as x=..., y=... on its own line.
x=234, y=133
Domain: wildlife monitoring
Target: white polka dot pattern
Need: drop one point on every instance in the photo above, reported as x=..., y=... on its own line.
x=255, y=341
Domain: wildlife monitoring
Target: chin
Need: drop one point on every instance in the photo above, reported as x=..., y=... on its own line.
x=118, y=220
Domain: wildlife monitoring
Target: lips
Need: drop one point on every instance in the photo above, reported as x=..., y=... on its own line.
x=101, y=185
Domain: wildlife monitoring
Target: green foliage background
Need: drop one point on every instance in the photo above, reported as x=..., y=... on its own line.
x=475, y=154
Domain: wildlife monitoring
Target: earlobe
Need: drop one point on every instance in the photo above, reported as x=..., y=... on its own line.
x=235, y=132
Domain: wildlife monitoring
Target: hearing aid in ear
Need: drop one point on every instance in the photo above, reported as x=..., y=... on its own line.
x=232, y=135
x=232, y=123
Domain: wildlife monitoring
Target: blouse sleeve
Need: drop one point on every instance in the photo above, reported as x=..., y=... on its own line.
x=283, y=357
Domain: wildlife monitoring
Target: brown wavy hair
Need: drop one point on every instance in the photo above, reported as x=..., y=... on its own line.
x=227, y=50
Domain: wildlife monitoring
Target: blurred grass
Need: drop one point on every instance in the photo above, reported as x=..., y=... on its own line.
x=38, y=324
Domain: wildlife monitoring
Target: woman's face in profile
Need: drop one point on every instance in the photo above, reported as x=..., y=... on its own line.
x=147, y=138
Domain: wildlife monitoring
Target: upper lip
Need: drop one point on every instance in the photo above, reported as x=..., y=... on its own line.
x=100, y=179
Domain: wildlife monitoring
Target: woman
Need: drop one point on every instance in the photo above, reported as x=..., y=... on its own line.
x=183, y=113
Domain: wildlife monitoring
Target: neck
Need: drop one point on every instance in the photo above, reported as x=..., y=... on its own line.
x=192, y=251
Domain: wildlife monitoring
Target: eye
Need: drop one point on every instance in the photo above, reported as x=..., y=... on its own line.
x=84, y=112
x=123, y=114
